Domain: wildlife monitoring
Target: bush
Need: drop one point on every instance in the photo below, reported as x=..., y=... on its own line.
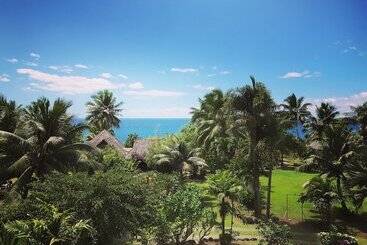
x=335, y=237
x=113, y=159
x=119, y=204
x=274, y=233
x=131, y=138
x=182, y=213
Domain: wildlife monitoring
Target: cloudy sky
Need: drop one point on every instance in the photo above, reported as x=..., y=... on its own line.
x=160, y=56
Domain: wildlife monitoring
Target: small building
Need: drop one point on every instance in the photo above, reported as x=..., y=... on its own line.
x=138, y=152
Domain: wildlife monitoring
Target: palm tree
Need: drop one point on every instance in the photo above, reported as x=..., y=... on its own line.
x=9, y=114
x=178, y=157
x=335, y=154
x=360, y=113
x=297, y=111
x=50, y=142
x=320, y=192
x=226, y=187
x=211, y=117
x=103, y=112
x=325, y=115
x=254, y=116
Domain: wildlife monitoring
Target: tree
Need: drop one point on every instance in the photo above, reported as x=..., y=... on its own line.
x=254, y=116
x=131, y=138
x=9, y=114
x=296, y=110
x=320, y=192
x=178, y=157
x=335, y=154
x=213, y=121
x=360, y=116
x=226, y=187
x=103, y=112
x=356, y=179
x=325, y=115
x=183, y=212
x=50, y=142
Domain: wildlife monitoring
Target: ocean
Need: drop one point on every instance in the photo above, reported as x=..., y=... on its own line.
x=150, y=127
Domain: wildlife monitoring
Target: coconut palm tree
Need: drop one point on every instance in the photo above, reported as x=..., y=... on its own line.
x=226, y=187
x=335, y=154
x=254, y=110
x=360, y=116
x=178, y=157
x=320, y=192
x=103, y=112
x=325, y=115
x=296, y=110
x=211, y=117
x=50, y=142
x=9, y=114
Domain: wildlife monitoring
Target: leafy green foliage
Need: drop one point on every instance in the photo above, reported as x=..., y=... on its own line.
x=335, y=237
x=183, y=212
x=9, y=114
x=274, y=233
x=131, y=138
x=111, y=159
x=103, y=112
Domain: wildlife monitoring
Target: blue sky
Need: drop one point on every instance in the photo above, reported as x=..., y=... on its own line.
x=160, y=56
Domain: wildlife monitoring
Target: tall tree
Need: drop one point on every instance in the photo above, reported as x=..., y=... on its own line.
x=335, y=154
x=297, y=111
x=103, y=112
x=325, y=115
x=9, y=114
x=360, y=115
x=254, y=110
x=51, y=141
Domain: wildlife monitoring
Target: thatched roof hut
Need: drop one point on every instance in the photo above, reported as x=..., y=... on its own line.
x=138, y=151
x=105, y=138
x=140, y=148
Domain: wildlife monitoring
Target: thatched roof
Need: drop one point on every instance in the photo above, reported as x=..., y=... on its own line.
x=140, y=148
x=106, y=138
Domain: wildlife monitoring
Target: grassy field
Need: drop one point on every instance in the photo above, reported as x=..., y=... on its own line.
x=286, y=186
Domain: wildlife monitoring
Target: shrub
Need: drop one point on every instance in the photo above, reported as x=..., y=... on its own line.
x=113, y=159
x=336, y=237
x=274, y=233
x=182, y=213
x=119, y=204
x=131, y=138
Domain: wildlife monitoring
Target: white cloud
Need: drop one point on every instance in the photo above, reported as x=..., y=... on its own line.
x=212, y=75
x=161, y=72
x=65, y=69
x=34, y=55
x=306, y=74
x=81, y=66
x=31, y=64
x=4, y=78
x=135, y=86
x=106, y=75
x=12, y=60
x=203, y=88
x=153, y=93
x=67, y=84
x=214, y=67
x=344, y=103
x=225, y=72
x=123, y=76
x=184, y=70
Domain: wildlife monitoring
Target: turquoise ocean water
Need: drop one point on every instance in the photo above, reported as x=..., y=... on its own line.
x=150, y=127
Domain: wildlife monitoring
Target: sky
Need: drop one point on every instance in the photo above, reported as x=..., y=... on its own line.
x=159, y=57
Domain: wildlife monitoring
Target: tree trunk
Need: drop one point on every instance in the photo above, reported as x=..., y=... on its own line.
x=232, y=217
x=268, y=201
x=340, y=193
x=223, y=217
x=255, y=179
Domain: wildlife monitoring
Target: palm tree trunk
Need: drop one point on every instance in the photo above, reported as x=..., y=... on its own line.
x=340, y=193
x=232, y=217
x=268, y=201
x=255, y=179
x=223, y=217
